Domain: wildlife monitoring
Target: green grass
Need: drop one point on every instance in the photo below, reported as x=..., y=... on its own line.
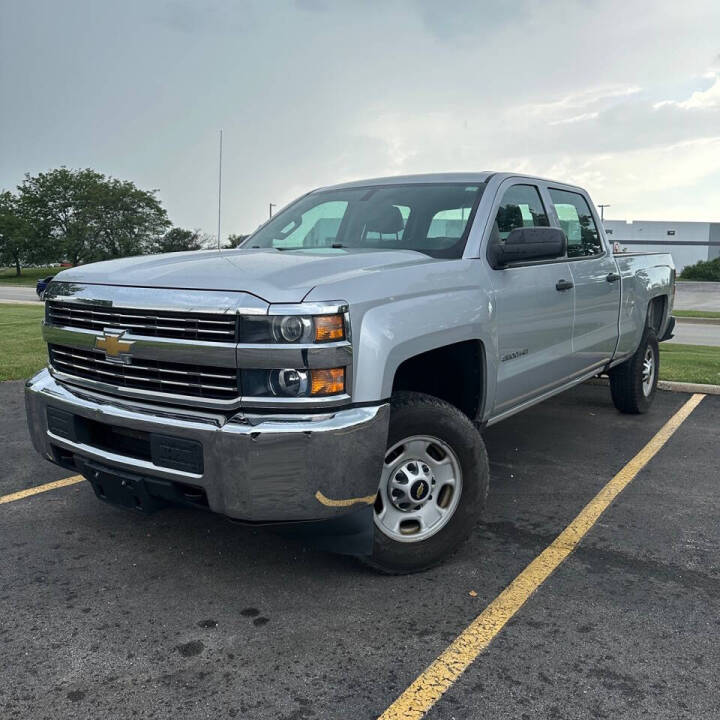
x=690, y=363
x=22, y=351
x=28, y=276
x=696, y=313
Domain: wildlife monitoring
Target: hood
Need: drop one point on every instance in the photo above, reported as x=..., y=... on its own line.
x=273, y=275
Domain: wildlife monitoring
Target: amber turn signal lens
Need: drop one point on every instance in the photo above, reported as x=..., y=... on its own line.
x=329, y=327
x=327, y=382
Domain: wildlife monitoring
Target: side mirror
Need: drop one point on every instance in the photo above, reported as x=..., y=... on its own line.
x=530, y=243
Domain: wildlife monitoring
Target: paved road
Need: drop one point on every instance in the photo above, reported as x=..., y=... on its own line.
x=10, y=293
x=184, y=615
x=698, y=296
x=696, y=334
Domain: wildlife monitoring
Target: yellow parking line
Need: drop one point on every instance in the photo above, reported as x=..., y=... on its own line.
x=427, y=689
x=41, y=489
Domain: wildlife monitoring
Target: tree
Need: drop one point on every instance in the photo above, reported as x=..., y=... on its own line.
x=702, y=270
x=235, y=240
x=82, y=215
x=60, y=211
x=129, y=220
x=178, y=239
x=15, y=245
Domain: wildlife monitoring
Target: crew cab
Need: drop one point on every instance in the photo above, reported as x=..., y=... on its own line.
x=334, y=373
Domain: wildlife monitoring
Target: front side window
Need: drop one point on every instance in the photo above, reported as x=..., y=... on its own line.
x=577, y=221
x=431, y=218
x=520, y=206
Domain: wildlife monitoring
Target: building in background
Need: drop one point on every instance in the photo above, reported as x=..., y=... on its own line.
x=688, y=242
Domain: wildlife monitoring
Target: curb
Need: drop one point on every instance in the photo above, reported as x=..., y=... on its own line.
x=675, y=386
x=670, y=386
x=697, y=320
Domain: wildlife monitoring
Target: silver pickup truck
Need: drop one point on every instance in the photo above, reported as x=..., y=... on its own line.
x=333, y=375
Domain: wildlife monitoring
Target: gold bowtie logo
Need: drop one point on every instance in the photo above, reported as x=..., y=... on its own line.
x=113, y=345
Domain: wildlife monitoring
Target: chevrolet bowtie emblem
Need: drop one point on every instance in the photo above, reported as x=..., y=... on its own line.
x=114, y=347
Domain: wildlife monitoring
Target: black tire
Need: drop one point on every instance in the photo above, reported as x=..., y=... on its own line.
x=417, y=414
x=626, y=380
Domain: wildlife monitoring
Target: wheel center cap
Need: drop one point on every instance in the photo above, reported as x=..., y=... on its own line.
x=419, y=490
x=410, y=485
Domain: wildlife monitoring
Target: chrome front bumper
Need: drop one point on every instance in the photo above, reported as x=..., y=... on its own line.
x=257, y=468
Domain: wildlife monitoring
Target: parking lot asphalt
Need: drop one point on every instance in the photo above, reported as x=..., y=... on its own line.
x=182, y=614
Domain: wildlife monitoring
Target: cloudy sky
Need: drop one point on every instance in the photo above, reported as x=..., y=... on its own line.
x=620, y=97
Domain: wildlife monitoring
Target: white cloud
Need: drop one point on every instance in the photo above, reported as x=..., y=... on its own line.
x=668, y=181
x=602, y=95
x=576, y=118
x=700, y=99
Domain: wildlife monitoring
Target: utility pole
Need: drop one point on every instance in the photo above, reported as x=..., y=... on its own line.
x=219, y=191
x=272, y=205
x=602, y=211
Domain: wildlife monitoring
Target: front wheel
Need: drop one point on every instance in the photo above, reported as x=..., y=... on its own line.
x=634, y=382
x=433, y=484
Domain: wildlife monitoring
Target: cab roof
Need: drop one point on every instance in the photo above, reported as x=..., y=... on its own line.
x=444, y=177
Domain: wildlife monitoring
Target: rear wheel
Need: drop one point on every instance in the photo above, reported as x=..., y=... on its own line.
x=433, y=484
x=634, y=382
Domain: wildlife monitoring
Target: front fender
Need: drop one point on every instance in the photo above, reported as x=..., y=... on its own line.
x=388, y=334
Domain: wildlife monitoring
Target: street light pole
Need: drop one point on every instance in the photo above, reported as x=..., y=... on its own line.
x=272, y=205
x=219, y=190
x=602, y=211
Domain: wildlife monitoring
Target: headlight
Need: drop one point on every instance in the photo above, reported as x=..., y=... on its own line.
x=290, y=382
x=292, y=328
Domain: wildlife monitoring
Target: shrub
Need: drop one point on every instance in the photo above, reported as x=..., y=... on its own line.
x=703, y=270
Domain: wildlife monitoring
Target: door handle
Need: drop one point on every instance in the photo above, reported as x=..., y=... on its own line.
x=564, y=285
x=612, y=277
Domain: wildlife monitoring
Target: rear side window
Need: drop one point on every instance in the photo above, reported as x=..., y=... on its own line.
x=520, y=206
x=577, y=221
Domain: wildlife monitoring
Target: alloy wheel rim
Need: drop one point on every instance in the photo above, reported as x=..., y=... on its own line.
x=420, y=489
x=648, y=371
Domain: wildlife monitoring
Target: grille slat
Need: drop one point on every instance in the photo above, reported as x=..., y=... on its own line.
x=212, y=327
x=67, y=310
x=230, y=375
x=194, y=380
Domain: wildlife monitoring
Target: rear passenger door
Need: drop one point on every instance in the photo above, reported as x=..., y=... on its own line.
x=533, y=315
x=597, y=284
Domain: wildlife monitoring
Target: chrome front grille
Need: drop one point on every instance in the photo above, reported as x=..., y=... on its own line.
x=204, y=381
x=215, y=327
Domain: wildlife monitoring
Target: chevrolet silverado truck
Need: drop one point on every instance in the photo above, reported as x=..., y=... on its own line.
x=335, y=372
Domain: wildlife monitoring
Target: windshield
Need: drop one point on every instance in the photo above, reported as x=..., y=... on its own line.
x=431, y=218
